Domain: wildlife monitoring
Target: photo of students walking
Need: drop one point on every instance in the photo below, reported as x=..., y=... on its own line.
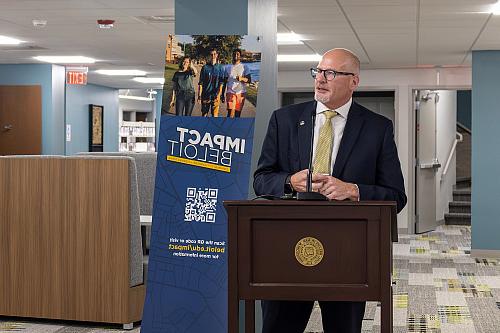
x=212, y=76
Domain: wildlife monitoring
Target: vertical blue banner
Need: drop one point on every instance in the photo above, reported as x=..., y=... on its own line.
x=201, y=162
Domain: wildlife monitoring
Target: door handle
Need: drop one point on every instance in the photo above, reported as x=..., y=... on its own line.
x=432, y=165
x=7, y=127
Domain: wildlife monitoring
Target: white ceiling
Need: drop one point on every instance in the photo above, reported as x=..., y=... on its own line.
x=384, y=33
x=392, y=33
x=72, y=29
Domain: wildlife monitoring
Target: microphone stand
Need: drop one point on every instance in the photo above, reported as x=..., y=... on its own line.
x=309, y=194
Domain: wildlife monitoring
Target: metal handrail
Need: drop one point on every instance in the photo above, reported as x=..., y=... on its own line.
x=458, y=139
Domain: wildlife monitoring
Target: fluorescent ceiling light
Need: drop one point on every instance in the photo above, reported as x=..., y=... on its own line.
x=121, y=72
x=66, y=59
x=290, y=38
x=137, y=98
x=4, y=40
x=159, y=80
x=299, y=57
x=495, y=9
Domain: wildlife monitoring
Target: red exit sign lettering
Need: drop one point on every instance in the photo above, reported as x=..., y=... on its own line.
x=76, y=78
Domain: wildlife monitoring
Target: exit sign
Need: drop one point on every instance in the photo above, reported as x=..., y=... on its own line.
x=73, y=77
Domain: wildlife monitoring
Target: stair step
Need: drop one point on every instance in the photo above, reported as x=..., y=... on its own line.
x=460, y=203
x=460, y=185
x=462, y=195
x=463, y=179
x=457, y=218
x=460, y=207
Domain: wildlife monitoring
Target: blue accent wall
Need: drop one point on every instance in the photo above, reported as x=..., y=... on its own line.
x=46, y=76
x=78, y=99
x=464, y=108
x=211, y=17
x=158, y=100
x=485, y=155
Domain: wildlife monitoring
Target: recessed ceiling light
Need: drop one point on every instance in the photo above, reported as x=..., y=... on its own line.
x=290, y=38
x=495, y=9
x=121, y=72
x=299, y=57
x=4, y=40
x=137, y=98
x=39, y=23
x=159, y=80
x=66, y=59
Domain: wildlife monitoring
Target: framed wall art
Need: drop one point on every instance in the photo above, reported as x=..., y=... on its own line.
x=96, y=128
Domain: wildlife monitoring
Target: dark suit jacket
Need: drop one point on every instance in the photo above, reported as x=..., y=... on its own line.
x=367, y=155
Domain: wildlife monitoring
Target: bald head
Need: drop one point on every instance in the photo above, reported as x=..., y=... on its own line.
x=347, y=61
x=336, y=89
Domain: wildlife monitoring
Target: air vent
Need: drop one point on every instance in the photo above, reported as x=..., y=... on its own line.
x=157, y=19
x=22, y=48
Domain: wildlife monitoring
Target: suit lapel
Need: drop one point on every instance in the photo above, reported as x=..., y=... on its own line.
x=304, y=130
x=351, y=132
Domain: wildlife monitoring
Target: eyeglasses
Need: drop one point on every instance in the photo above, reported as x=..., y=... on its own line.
x=329, y=74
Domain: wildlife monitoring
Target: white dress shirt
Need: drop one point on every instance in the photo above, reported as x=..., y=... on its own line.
x=338, y=123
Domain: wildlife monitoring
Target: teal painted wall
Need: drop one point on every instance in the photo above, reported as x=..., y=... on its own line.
x=209, y=17
x=78, y=99
x=158, y=99
x=485, y=153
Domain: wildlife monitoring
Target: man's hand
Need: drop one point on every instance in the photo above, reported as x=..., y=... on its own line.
x=299, y=181
x=335, y=189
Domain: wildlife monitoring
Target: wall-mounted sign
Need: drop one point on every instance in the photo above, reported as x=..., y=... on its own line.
x=73, y=77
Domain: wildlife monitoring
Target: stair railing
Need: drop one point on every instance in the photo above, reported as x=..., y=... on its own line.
x=459, y=138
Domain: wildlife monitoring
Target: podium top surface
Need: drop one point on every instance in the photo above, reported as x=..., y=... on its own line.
x=306, y=203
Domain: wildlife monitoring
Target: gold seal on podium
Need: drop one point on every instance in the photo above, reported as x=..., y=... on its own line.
x=309, y=251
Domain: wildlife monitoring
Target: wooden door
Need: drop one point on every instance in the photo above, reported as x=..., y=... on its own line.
x=20, y=120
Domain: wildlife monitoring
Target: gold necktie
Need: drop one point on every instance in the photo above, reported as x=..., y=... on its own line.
x=323, y=157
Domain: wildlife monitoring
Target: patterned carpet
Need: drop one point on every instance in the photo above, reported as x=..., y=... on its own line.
x=439, y=289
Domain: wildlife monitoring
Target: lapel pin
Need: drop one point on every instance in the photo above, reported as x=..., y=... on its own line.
x=302, y=123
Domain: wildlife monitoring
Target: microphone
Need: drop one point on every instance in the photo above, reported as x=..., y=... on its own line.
x=309, y=194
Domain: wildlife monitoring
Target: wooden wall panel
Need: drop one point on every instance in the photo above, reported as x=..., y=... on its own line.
x=64, y=240
x=22, y=238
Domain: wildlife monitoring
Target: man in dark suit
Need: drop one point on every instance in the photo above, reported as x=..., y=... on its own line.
x=354, y=158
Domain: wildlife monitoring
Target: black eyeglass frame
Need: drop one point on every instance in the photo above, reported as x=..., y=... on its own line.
x=316, y=71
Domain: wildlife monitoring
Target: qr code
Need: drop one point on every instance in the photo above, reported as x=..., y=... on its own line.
x=200, y=205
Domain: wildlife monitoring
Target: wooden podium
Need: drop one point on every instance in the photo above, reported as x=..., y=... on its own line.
x=309, y=250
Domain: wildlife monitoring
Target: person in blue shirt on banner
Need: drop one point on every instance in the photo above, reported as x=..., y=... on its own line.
x=210, y=86
x=354, y=158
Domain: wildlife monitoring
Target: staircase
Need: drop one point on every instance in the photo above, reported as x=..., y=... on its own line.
x=459, y=208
